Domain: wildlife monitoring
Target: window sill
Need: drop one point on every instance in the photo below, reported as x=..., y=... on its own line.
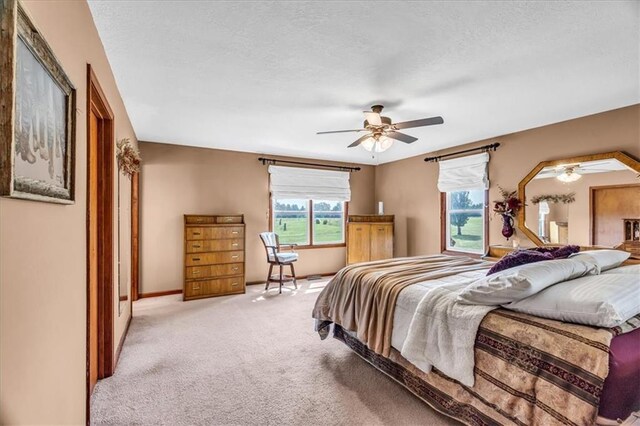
x=320, y=246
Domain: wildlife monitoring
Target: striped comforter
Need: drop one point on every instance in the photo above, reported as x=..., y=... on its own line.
x=528, y=370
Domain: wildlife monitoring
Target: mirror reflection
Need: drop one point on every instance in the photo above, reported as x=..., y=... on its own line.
x=586, y=203
x=124, y=233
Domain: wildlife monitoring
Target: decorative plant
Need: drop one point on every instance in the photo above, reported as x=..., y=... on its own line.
x=508, y=208
x=555, y=198
x=128, y=157
x=509, y=205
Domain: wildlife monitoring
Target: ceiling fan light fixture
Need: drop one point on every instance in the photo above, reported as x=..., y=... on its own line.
x=382, y=144
x=569, y=175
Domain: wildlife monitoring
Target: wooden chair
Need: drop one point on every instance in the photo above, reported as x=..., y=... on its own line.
x=275, y=257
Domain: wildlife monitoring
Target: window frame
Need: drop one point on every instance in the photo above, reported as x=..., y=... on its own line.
x=444, y=224
x=310, y=224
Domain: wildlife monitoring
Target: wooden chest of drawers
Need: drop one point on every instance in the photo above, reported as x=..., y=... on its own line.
x=213, y=255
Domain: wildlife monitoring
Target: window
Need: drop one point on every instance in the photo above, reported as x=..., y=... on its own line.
x=308, y=222
x=465, y=215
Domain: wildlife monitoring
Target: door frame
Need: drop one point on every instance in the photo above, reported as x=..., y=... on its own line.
x=97, y=103
x=135, y=237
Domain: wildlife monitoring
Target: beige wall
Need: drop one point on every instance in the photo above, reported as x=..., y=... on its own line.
x=43, y=256
x=177, y=180
x=408, y=187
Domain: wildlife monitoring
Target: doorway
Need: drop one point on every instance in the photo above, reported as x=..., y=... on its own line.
x=100, y=175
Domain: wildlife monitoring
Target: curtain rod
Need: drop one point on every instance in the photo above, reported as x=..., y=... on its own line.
x=266, y=161
x=486, y=148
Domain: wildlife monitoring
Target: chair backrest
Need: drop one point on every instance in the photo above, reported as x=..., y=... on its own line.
x=271, y=244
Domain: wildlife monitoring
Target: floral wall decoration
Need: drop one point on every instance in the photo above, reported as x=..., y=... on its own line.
x=507, y=207
x=128, y=157
x=555, y=198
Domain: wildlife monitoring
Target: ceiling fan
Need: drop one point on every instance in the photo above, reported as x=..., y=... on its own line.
x=381, y=132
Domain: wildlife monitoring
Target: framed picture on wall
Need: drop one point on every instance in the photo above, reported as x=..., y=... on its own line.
x=37, y=114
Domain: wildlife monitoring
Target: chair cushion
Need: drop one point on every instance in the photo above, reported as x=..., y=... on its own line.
x=285, y=257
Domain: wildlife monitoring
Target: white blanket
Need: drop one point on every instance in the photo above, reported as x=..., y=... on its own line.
x=442, y=334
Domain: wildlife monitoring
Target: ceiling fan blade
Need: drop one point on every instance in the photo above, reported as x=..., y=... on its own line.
x=419, y=123
x=341, y=131
x=373, y=118
x=401, y=137
x=359, y=141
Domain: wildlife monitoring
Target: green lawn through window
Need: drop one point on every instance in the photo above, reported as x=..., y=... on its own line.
x=471, y=238
x=295, y=230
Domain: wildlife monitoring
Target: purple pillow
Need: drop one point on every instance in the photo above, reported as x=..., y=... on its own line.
x=558, y=252
x=534, y=254
x=517, y=258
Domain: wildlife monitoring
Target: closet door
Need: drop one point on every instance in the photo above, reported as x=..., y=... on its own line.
x=381, y=241
x=359, y=240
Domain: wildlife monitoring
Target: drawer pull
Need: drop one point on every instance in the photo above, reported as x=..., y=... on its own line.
x=234, y=257
x=234, y=245
x=196, y=246
x=196, y=233
x=195, y=272
x=195, y=259
x=196, y=286
x=235, y=268
x=229, y=219
x=234, y=284
x=234, y=232
x=199, y=220
x=380, y=229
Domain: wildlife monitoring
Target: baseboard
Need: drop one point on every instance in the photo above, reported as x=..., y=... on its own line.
x=159, y=293
x=121, y=342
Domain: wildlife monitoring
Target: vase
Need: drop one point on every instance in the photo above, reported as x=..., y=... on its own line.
x=507, y=226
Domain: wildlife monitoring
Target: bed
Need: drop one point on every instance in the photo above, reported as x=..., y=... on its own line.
x=526, y=370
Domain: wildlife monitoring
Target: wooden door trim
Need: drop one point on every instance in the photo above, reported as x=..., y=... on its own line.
x=98, y=105
x=135, y=237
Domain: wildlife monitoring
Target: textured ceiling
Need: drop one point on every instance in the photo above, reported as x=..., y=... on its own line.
x=265, y=76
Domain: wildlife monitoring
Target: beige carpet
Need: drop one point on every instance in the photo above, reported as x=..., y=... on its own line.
x=251, y=359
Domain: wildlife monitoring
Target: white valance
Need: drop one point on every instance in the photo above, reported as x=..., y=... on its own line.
x=309, y=184
x=466, y=173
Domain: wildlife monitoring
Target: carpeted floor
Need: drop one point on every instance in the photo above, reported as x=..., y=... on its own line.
x=251, y=359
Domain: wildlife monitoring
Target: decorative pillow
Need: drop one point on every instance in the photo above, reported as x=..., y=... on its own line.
x=517, y=258
x=605, y=300
x=524, y=280
x=560, y=252
x=533, y=254
x=604, y=259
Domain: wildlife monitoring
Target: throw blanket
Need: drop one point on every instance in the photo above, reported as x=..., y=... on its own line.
x=362, y=297
x=442, y=334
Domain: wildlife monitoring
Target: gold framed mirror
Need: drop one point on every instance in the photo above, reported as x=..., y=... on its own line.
x=589, y=200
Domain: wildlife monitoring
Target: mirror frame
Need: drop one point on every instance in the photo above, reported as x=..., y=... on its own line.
x=618, y=155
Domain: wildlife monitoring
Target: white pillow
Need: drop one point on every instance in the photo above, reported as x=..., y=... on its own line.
x=524, y=280
x=605, y=259
x=605, y=300
x=627, y=269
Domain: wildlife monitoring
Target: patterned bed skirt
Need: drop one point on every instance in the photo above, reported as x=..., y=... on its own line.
x=411, y=380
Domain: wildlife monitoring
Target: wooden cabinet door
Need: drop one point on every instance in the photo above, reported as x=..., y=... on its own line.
x=359, y=235
x=381, y=241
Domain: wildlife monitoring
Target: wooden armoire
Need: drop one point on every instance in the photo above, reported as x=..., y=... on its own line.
x=369, y=237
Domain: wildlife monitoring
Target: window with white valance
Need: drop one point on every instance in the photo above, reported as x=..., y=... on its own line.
x=310, y=184
x=309, y=206
x=464, y=183
x=466, y=173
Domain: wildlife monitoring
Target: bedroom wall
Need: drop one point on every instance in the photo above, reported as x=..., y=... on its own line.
x=43, y=252
x=408, y=187
x=178, y=180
